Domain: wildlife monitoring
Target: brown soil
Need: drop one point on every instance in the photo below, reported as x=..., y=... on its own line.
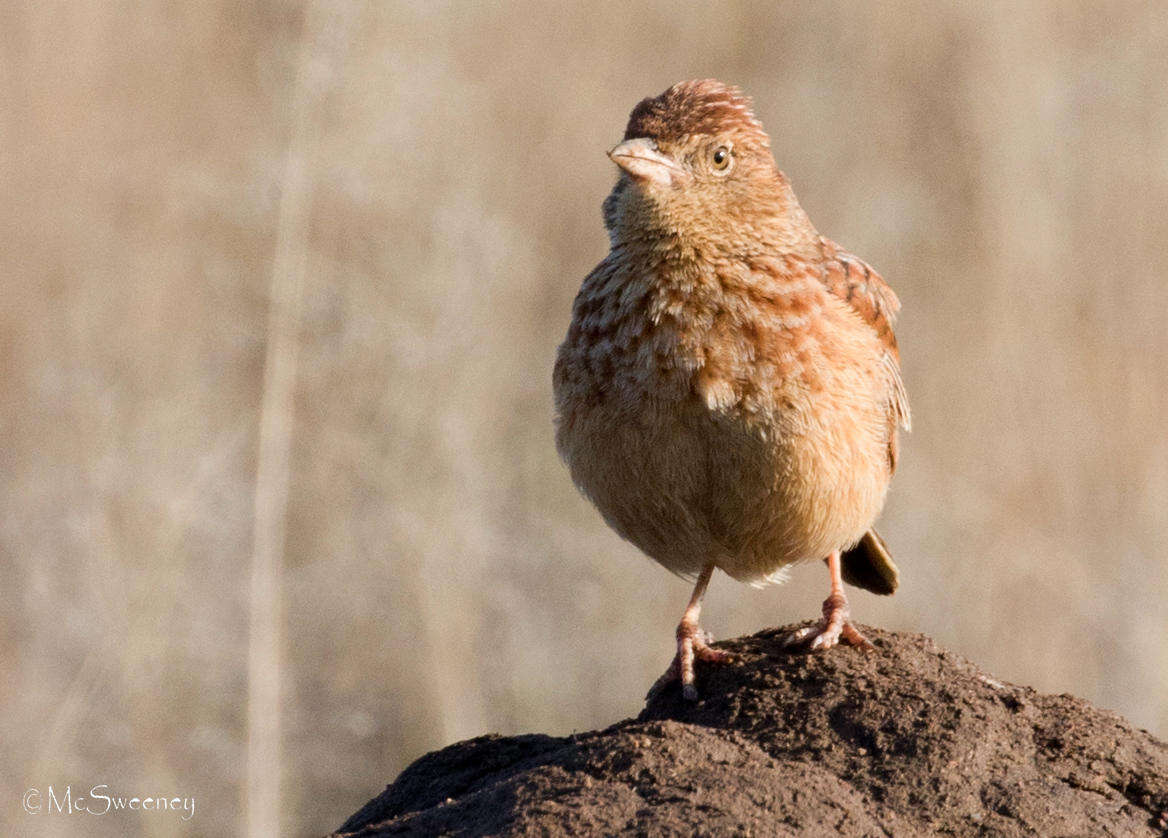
x=909, y=740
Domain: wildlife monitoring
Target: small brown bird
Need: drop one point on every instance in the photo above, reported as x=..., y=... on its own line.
x=729, y=390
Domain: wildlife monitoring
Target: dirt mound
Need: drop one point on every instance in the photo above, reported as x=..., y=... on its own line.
x=910, y=740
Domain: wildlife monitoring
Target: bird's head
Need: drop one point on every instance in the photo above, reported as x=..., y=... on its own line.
x=696, y=166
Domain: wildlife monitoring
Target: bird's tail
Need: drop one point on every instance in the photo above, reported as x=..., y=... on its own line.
x=869, y=565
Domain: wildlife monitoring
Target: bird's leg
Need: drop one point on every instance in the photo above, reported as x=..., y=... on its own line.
x=692, y=642
x=836, y=624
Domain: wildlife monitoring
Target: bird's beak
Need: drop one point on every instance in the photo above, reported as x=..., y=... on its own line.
x=641, y=159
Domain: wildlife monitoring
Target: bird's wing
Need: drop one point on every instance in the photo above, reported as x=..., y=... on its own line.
x=854, y=282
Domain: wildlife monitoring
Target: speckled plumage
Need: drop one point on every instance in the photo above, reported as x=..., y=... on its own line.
x=729, y=389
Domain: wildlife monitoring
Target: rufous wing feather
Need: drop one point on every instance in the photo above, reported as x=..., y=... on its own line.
x=856, y=283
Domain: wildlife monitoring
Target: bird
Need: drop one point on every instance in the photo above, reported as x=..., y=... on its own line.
x=729, y=391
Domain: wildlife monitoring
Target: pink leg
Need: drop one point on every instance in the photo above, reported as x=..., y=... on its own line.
x=692, y=643
x=836, y=624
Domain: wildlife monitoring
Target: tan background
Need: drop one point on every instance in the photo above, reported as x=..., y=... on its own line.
x=1004, y=166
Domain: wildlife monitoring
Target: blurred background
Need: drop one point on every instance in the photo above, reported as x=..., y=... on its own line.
x=282, y=288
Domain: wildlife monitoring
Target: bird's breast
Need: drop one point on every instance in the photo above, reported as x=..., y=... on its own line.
x=712, y=417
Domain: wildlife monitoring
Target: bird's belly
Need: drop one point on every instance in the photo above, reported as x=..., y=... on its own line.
x=687, y=484
x=645, y=471
x=797, y=494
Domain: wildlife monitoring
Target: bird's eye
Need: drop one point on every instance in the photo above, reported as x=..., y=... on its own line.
x=721, y=158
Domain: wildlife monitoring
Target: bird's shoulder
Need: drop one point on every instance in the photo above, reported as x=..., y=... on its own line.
x=854, y=281
x=859, y=285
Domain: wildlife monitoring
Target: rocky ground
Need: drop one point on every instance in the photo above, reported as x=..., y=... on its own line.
x=909, y=740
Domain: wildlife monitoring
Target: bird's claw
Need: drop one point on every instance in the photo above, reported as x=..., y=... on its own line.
x=692, y=644
x=833, y=629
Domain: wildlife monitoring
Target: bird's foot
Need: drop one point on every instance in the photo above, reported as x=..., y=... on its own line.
x=834, y=628
x=692, y=643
